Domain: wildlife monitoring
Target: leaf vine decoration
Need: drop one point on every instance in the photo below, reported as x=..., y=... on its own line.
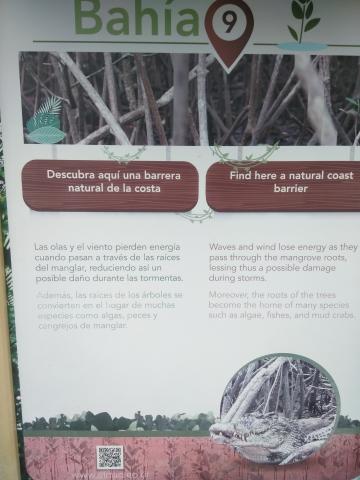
x=123, y=159
x=249, y=162
x=303, y=10
x=201, y=217
x=44, y=126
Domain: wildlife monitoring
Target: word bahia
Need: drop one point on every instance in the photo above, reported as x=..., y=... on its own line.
x=91, y=17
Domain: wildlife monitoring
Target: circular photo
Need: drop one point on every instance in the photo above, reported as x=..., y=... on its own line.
x=277, y=410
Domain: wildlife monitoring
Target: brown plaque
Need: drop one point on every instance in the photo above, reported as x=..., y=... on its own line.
x=285, y=187
x=108, y=186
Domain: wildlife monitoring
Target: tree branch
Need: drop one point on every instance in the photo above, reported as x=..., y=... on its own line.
x=202, y=104
x=163, y=101
x=104, y=111
x=318, y=113
x=154, y=109
x=246, y=397
x=180, y=63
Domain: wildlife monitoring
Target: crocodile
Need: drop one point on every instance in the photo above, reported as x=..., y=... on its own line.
x=272, y=438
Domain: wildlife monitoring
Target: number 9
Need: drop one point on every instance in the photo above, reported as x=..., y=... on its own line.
x=230, y=19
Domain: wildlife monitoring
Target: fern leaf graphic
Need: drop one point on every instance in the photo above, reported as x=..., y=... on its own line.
x=51, y=106
x=44, y=126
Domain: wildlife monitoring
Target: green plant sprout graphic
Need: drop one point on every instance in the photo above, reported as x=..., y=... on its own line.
x=123, y=159
x=44, y=126
x=303, y=10
x=249, y=162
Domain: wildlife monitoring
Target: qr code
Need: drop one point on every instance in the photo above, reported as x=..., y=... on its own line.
x=110, y=458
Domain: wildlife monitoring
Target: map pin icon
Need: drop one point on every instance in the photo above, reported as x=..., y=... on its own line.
x=223, y=24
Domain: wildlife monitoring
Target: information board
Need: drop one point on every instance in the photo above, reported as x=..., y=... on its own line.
x=182, y=183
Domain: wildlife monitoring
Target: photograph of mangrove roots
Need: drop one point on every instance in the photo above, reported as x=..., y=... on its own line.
x=188, y=99
x=277, y=410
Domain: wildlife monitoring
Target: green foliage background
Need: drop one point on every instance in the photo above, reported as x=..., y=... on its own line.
x=10, y=308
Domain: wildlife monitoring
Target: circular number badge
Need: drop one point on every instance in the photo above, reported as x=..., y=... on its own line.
x=229, y=26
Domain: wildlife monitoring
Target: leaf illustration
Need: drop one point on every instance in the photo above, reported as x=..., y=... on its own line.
x=51, y=105
x=312, y=24
x=49, y=135
x=309, y=10
x=9, y=278
x=356, y=102
x=43, y=120
x=44, y=126
x=297, y=10
x=293, y=33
